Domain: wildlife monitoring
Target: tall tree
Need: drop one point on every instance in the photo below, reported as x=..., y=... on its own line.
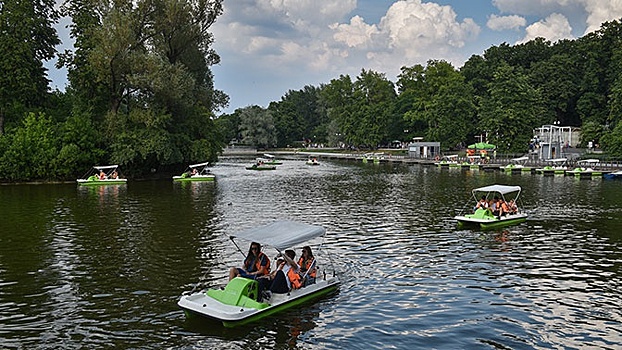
x=27, y=39
x=511, y=111
x=257, y=127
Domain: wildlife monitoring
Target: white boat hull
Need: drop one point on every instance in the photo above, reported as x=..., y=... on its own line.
x=232, y=315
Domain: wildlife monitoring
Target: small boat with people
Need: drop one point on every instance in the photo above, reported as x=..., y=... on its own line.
x=259, y=165
x=587, y=168
x=448, y=161
x=243, y=299
x=495, y=206
x=556, y=166
x=196, y=172
x=517, y=165
x=312, y=161
x=102, y=175
x=269, y=159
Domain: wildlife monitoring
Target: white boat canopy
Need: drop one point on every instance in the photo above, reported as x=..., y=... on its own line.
x=520, y=159
x=589, y=161
x=198, y=165
x=503, y=189
x=557, y=160
x=281, y=234
x=102, y=167
x=267, y=155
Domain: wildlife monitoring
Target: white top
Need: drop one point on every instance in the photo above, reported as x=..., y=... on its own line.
x=281, y=234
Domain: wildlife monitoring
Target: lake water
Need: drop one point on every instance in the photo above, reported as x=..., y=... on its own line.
x=103, y=268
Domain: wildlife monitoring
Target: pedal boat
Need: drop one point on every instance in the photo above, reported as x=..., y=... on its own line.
x=269, y=159
x=483, y=218
x=517, y=165
x=91, y=178
x=557, y=167
x=586, y=168
x=201, y=173
x=240, y=301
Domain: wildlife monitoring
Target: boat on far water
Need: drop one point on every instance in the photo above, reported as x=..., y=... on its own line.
x=196, y=172
x=448, y=161
x=259, y=165
x=313, y=161
x=518, y=165
x=481, y=215
x=587, y=168
x=614, y=175
x=102, y=175
x=269, y=159
x=556, y=166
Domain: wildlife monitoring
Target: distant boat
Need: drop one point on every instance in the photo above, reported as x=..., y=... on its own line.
x=556, y=167
x=517, y=165
x=102, y=175
x=269, y=159
x=587, y=168
x=483, y=217
x=196, y=172
x=614, y=175
x=448, y=161
x=313, y=161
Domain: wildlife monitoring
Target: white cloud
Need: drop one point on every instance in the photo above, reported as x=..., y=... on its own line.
x=499, y=23
x=591, y=13
x=553, y=28
x=600, y=11
x=411, y=32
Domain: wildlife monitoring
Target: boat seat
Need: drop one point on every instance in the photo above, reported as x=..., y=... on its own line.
x=481, y=214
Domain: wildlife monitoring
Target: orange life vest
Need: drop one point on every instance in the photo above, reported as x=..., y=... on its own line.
x=294, y=278
x=258, y=266
x=306, y=266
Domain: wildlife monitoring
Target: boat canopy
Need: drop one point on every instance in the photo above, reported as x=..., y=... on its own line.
x=281, y=234
x=267, y=155
x=103, y=167
x=589, y=161
x=520, y=159
x=198, y=165
x=557, y=160
x=503, y=189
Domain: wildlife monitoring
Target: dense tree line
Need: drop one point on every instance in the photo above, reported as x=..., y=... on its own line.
x=141, y=93
x=504, y=94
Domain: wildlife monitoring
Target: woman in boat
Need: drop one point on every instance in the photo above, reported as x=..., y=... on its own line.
x=256, y=264
x=307, y=266
x=102, y=175
x=114, y=175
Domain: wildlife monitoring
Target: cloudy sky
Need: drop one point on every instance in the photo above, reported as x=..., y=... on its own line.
x=268, y=47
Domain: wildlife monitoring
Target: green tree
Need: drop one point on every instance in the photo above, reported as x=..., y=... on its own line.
x=27, y=39
x=442, y=101
x=512, y=110
x=30, y=151
x=257, y=127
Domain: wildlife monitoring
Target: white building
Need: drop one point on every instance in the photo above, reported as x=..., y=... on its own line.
x=552, y=141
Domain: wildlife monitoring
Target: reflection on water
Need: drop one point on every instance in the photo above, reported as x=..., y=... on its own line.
x=103, y=267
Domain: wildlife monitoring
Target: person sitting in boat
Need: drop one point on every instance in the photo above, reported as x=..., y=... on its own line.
x=287, y=276
x=481, y=204
x=504, y=208
x=308, y=269
x=512, y=207
x=102, y=175
x=256, y=264
x=114, y=175
x=495, y=207
x=193, y=172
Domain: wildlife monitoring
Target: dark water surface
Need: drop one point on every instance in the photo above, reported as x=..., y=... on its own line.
x=103, y=268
